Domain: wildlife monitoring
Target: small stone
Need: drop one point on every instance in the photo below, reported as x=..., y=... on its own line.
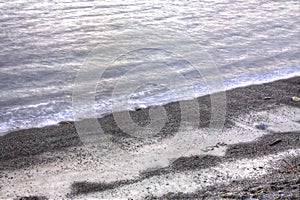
x=295, y=99
x=261, y=126
x=64, y=122
x=267, y=98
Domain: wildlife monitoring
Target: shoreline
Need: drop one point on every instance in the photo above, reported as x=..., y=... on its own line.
x=256, y=101
x=39, y=147
x=149, y=106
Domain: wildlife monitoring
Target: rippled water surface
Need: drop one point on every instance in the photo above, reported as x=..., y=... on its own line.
x=45, y=43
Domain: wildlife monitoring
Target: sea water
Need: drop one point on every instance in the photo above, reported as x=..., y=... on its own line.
x=44, y=44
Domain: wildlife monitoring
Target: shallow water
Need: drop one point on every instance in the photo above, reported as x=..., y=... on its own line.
x=45, y=43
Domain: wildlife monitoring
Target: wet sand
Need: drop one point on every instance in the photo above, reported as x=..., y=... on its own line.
x=54, y=151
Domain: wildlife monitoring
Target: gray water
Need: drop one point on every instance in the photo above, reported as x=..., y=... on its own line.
x=44, y=44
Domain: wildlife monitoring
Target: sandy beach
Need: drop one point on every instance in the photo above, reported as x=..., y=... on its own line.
x=246, y=161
